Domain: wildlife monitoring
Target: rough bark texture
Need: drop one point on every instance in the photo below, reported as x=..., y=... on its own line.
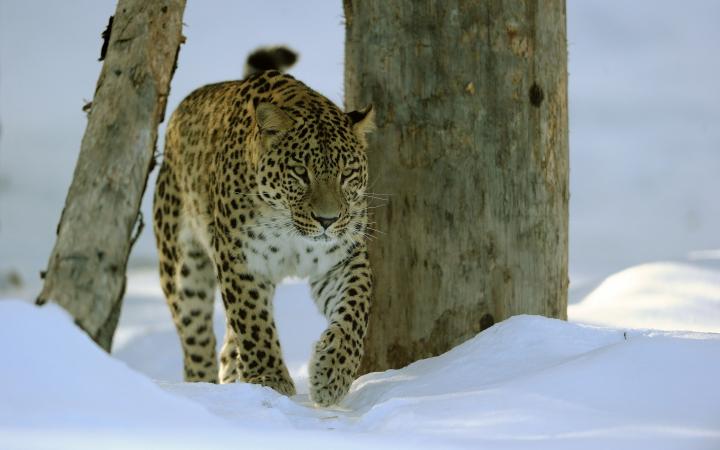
x=86, y=271
x=472, y=148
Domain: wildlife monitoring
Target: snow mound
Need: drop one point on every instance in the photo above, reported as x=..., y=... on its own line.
x=53, y=375
x=667, y=296
x=536, y=380
x=58, y=390
x=526, y=382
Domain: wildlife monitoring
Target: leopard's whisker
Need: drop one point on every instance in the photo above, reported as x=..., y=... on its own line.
x=375, y=230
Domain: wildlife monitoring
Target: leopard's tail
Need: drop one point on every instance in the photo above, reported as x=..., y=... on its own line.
x=270, y=58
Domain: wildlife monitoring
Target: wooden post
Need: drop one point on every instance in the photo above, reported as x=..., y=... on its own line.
x=86, y=270
x=472, y=150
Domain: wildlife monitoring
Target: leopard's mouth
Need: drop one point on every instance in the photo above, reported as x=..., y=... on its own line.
x=323, y=236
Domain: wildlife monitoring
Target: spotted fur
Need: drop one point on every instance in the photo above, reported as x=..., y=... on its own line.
x=261, y=179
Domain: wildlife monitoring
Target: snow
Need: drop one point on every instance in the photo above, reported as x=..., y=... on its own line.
x=667, y=296
x=528, y=381
x=57, y=377
x=58, y=386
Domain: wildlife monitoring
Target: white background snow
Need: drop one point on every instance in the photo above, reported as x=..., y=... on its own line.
x=644, y=257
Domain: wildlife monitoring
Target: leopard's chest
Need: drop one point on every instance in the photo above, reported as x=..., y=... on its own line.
x=278, y=256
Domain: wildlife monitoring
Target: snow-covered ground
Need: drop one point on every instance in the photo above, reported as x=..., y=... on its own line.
x=528, y=382
x=645, y=154
x=667, y=296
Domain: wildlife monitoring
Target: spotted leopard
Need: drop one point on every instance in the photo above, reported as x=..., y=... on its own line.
x=261, y=179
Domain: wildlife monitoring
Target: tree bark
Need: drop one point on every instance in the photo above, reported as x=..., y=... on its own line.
x=86, y=270
x=472, y=150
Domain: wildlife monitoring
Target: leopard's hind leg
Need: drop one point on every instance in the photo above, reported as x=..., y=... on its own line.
x=230, y=371
x=188, y=280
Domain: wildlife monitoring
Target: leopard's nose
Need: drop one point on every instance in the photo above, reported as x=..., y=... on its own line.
x=325, y=221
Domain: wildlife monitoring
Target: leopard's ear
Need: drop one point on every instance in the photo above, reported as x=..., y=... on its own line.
x=271, y=119
x=363, y=122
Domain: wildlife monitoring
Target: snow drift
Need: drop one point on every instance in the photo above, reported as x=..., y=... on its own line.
x=525, y=382
x=662, y=295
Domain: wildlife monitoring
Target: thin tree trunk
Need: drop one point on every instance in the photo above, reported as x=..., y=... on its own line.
x=86, y=270
x=472, y=148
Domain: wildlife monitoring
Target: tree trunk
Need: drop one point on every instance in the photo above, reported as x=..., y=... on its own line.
x=86, y=270
x=472, y=150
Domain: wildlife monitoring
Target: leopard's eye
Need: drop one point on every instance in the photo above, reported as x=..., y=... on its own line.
x=302, y=173
x=346, y=174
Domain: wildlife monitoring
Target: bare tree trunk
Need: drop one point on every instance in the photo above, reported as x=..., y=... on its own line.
x=86, y=271
x=472, y=148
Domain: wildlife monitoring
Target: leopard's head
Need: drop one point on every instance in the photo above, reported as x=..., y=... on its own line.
x=312, y=167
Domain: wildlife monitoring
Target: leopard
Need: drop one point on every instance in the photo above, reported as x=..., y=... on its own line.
x=261, y=179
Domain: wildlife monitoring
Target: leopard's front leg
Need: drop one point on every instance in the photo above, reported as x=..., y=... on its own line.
x=253, y=339
x=343, y=295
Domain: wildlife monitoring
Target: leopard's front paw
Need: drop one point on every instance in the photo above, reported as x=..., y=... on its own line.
x=281, y=384
x=333, y=366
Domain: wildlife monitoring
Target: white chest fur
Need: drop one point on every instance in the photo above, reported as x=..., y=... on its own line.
x=284, y=256
x=276, y=255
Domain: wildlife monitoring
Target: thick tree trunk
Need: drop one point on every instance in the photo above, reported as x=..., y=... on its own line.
x=472, y=149
x=86, y=271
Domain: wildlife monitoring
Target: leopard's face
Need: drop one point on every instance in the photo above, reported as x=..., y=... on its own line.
x=315, y=172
